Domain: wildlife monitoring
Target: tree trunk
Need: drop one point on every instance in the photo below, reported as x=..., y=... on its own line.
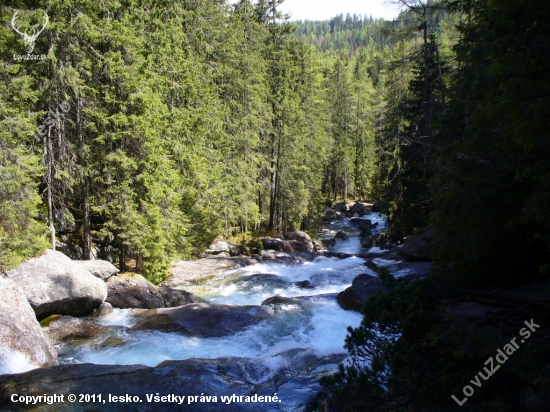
x=86, y=238
x=49, y=184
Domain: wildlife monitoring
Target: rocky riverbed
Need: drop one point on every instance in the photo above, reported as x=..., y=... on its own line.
x=272, y=322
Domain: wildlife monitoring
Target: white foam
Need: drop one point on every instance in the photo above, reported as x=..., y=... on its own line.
x=382, y=263
x=118, y=317
x=15, y=362
x=319, y=324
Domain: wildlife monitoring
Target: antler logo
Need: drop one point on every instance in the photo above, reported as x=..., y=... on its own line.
x=35, y=31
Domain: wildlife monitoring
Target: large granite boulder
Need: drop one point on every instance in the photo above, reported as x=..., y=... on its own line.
x=99, y=268
x=362, y=287
x=280, y=245
x=300, y=241
x=418, y=246
x=220, y=246
x=54, y=284
x=135, y=292
x=185, y=273
x=200, y=319
x=23, y=345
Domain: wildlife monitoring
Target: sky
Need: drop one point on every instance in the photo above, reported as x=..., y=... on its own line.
x=325, y=9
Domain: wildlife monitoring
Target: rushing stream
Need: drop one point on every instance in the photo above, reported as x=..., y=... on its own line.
x=314, y=324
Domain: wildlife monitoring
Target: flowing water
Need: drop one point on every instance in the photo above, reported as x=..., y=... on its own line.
x=315, y=324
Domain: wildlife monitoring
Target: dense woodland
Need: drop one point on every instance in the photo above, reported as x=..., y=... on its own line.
x=166, y=124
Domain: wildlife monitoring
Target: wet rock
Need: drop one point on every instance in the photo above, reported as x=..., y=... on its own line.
x=274, y=256
x=53, y=283
x=300, y=241
x=174, y=297
x=418, y=246
x=68, y=328
x=201, y=319
x=295, y=382
x=300, y=236
x=365, y=226
x=281, y=300
x=136, y=292
x=367, y=242
x=358, y=210
x=99, y=268
x=328, y=243
x=104, y=309
x=133, y=291
x=305, y=284
x=341, y=235
x=362, y=287
x=297, y=300
x=271, y=243
x=23, y=345
x=302, y=246
x=261, y=279
x=319, y=246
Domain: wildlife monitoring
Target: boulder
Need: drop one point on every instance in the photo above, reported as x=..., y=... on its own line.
x=367, y=242
x=302, y=245
x=358, y=209
x=185, y=273
x=175, y=297
x=362, y=287
x=341, y=207
x=377, y=206
x=68, y=328
x=54, y=284
x=281, y=300
x=136, y=292
x=319, y=246
x=293, y=375
x=365, y=226
x=220, y=246
x=271, y=243
x=341, y=235
x=418, y=246
x=328, y=243
x=200, y=319
x=104, y=309
x=383, y=242
x=300, y=236
x=99, y=268
x=23, y=345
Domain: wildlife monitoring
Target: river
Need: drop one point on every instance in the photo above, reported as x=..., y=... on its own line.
x=313, y=325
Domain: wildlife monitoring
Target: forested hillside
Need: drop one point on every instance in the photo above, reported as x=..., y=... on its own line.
x=186, y=121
